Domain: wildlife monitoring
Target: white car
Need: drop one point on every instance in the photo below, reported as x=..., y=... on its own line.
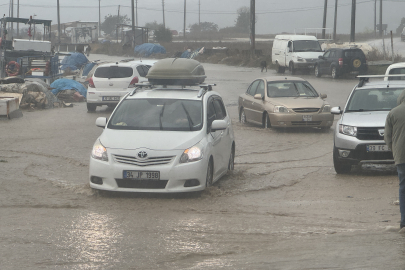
x=163, y=140
x=395, y=69
x=110, y=82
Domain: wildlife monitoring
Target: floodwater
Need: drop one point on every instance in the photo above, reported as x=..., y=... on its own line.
x=283, y=207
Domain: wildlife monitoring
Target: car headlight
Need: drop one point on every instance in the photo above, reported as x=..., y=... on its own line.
x=192, y=154
x=326, y=108
x=348, y=130
x=300, y=59
x=280, y=109
x=99, y=151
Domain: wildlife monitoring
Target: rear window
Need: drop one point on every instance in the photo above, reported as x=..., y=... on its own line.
x=354, y=53
x=113, y=72
x=397, y=71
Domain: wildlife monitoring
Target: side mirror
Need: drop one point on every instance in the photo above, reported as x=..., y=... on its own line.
x=101, y=122
x=258, y=96
x=323, y=96
x=336, y=110
x=320, y=57
x=218, y=125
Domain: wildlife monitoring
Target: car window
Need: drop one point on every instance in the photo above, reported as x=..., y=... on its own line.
x=158, y=114
x=260, y=89
x=211, y=115
x=219, y=109
x=290, y=89
x=326, y=54
x=113, y=72
x=397, y=71
x=354, y=53
x=383, y=99
x=142, y=70
x=252, y=89
x=332, y=54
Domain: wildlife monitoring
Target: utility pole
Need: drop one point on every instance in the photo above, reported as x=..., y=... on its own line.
x=99, y=18
x=375, y=18
x=12, y=15
x=136, y=8
x=18, y=16
x=58, y=22
x=381, y=31
x=353, y=22
x=184, y=25
x=252, y=26
x=325, y=8
x=118, y=24
x=163, y=8
x=199, y=12
x=335, y=21
x=133, y=22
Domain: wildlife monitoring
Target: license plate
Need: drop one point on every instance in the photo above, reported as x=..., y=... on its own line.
x=378, y=148
x=111, y=99
x=141, y=175
x=307, y=118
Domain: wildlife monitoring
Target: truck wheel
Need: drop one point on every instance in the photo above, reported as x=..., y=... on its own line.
x=340, y=167
x=91, y=107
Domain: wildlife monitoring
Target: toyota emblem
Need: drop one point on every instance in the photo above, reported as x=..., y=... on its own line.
x=381, y=132
x=142, y=154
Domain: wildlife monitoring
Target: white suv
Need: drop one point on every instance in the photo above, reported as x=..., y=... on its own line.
x=164, y=139
x=110, y=82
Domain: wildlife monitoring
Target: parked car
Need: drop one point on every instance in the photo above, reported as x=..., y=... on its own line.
x=295, y=52
x=395, y=69
x=359, y=133
x=165, y=139
x=284, y=102
x=338, y=61
x=110, y=82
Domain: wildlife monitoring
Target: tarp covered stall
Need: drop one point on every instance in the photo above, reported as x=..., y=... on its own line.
x=74, y=61
x=148, y=49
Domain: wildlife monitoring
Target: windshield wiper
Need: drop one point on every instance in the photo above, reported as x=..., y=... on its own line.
x=358, y=110
x=190, y=122
x=161, y=115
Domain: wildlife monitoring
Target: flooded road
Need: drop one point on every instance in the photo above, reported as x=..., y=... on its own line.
x=283, y=207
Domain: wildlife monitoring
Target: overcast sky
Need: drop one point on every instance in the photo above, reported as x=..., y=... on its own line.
x=274, y=16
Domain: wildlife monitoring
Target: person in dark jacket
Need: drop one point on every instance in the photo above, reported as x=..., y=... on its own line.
x=394, y=136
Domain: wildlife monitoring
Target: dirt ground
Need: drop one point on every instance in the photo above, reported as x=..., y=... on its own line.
x=283, y=207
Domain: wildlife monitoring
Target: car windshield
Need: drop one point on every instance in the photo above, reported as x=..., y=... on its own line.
x=383, y=99
x=290, y=89
x=158, y=114
x=307, y=46
x=113, y=72
x=397, y=71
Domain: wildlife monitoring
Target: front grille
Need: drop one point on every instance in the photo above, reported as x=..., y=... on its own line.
x=369, y=133
x=142, y=162
x=306, y=110
x=360, y=153
x=306, y=123
x=146, y=184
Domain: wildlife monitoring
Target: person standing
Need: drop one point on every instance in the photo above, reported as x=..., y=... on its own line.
x=394, y=137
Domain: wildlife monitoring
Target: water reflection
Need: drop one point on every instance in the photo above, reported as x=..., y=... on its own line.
x=93, y=239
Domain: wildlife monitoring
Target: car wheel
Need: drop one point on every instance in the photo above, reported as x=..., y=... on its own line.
x=210, y=173
x=317, y=73
x=292, y=70
x=334, y=73
x=340, y=167
x=242, y=117
x=266, y=121
x=231, y=164
x=91, y=107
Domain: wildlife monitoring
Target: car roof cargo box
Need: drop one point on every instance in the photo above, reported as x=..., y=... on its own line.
x=176, y=71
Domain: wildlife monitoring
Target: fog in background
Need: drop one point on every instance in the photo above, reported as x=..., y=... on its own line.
x=274, y=16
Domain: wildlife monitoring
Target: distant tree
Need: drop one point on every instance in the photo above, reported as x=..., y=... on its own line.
x=109, y=26
x=163, y=34
x=243, y=20
x=204, y=27
x=153, y=25
x=401, y=26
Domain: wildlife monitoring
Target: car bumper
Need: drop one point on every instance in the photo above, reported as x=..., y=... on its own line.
x=174, y=176
x=96, y=97
x=297, y=120
x=304, y=65
x=357, y=150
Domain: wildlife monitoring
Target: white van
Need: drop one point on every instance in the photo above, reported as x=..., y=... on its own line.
x=295, y=52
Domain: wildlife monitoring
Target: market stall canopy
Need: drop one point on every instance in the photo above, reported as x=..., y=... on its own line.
x=148, y=49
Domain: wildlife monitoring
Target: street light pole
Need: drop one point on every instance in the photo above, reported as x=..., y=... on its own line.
x=184, y=25
x=99, y=18
x=353, y=24
x=58, y=22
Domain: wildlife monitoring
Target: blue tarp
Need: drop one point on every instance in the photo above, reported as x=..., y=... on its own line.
x=148, y=49
x=74, y=61
x=88, y=68
x=66, y=84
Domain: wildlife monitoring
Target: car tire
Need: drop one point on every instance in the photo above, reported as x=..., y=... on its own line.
x=242, y=116
x=334, y=72
x=279, y=68
x=91, y=107
x=292, y=70
x=340, y=167
x=210, y=173
x=266, y=121
x=317, y=71
x=231, y=164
